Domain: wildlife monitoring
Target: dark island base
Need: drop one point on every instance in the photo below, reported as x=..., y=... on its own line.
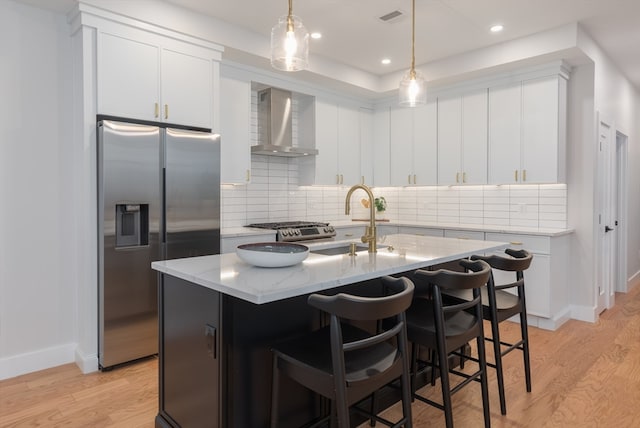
x=215, y=362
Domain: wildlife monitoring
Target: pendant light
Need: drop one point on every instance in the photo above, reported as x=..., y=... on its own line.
x=413, y=90
x=289, y=43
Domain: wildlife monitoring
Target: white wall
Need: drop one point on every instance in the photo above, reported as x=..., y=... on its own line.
x=37, y=289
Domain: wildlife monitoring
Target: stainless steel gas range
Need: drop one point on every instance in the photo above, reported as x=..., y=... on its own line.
x=293, y=231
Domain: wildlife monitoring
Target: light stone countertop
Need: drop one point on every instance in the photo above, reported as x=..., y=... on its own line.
x=227, y=274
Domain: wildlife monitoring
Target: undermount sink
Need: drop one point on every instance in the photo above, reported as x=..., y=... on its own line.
x=342, y=249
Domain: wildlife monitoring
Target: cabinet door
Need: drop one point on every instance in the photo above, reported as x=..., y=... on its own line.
x=381, y=148
x=425, y=144
x=349, y=145
x=504, y=134
x=366, y=146
x=326, y=142
x=474, y=138
x=187, y=89
x=449, y=140
x=128, y=77
x=540, y=130
x=235, y=123
x=401, y=146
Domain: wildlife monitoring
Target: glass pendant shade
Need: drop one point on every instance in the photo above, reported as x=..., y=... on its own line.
x=413, y=90
x=289, y=44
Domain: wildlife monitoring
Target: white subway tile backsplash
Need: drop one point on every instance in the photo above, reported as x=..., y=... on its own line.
x=274, y=195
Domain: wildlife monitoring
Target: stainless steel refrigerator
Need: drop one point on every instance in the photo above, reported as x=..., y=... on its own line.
x=158, y=198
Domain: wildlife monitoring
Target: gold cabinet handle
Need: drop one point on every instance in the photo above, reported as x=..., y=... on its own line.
x=363, y=179
x=341, y=179
x=337, y=178
x=515, y=243
x=457, y=176
x=156, y=111
x=414, y=179
x=464, y=177
x=409, y=178
x=248, y=175
x=515, y=174
x=166, y=111
x=348, y=235
x=524, y=175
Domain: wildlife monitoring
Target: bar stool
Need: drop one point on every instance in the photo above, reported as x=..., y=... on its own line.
x=347, y=364
x=448, y=327
x=499, y=304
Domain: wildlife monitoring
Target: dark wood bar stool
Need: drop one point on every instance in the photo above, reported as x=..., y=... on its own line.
x=499, y=304
x=447, y=328
x=347, y=364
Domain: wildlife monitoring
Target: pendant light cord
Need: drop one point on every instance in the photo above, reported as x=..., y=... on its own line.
x=413, y=38
x=290, y=17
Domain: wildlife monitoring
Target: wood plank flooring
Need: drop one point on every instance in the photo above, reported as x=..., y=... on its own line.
x=584, y=375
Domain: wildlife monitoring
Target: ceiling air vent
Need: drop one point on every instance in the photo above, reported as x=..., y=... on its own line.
x=391, y=16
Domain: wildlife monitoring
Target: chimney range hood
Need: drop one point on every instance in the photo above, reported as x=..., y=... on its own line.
x=274, y=125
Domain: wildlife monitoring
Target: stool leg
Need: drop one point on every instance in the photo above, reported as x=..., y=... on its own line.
x=497, y=350
x=482, y=361
x=414, y=368
x=275, y=387
x=432, y=356
x=525, y=348
x=443, y=362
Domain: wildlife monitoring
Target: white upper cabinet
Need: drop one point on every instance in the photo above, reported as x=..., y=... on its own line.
x=504, y=133
x=413, y=145
x=366, y=146
x=149, y=77
x=349, y=145
x=235, y=120
x=128, y=78
x=474, y=137
x=543, y=129
x=186, y=83
x=527, y=124
x=450, y=140
x=381, y=147
x=338, y=134
x=326, y=128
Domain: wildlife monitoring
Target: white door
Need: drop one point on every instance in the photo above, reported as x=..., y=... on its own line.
x=603, y=220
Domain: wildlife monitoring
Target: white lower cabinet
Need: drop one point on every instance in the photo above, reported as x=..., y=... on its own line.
x=546, y=280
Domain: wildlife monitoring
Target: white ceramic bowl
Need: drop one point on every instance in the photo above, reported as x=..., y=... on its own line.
x=272, y=254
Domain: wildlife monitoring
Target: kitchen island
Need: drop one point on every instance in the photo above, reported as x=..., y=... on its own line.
x=219, y=316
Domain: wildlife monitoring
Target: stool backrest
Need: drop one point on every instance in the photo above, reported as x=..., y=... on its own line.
x=370, y=359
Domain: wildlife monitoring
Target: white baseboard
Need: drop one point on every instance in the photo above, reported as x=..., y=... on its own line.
x=584, y=313
x=86, y=363
x=633, y=281
x=17, y=365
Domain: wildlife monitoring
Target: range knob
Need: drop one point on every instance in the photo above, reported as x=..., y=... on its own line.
x=284, y=232
x=297, y=231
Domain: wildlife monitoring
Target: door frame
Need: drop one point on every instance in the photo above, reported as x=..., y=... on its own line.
x=611, y=208
x=621, y=178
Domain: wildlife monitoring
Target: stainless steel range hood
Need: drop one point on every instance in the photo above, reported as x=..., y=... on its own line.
x=274, y=125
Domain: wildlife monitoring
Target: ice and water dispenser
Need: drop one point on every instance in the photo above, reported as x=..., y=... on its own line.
x=132, y=225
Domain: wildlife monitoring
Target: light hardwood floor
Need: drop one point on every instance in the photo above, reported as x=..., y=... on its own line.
x=584, y=375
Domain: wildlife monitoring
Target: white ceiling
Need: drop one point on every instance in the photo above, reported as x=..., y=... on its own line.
x=353, y=34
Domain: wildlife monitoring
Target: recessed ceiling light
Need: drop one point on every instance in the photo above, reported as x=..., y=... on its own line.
x=386, y=61
x=316, y=35
x=497, y=28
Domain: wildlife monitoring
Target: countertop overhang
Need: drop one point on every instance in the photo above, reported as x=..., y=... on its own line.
x=227, y=274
